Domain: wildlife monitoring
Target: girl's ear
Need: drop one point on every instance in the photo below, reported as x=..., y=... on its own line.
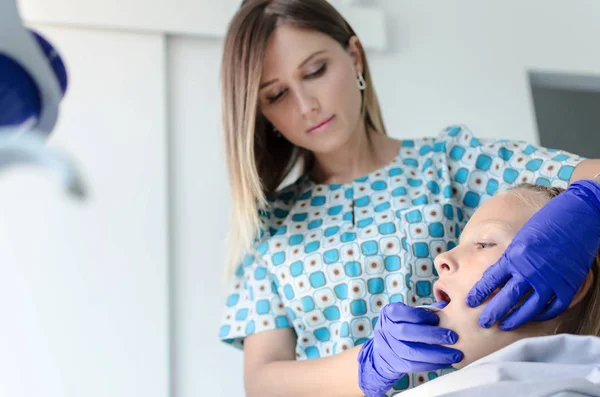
x=583, y=290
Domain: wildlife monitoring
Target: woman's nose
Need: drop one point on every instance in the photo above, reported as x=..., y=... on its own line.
x=307, y=103
x=446, y=263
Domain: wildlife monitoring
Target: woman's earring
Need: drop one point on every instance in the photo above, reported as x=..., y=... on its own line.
x=362, y=84
x=277, y=133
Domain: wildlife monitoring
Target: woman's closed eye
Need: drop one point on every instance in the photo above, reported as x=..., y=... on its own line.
x=275, y=98
x=313, y=75
x=317, y=73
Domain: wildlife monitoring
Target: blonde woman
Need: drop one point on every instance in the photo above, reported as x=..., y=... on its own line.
x=314, y=263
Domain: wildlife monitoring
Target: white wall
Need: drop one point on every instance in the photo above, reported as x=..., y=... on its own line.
x=182, y=17
x=464, y=61
x=83, y=290
x=203, y=366
x=208, y=19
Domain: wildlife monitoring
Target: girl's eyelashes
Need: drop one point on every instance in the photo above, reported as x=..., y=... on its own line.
x=484, y=244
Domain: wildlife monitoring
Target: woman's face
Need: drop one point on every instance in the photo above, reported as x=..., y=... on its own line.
x=482, y=243
x=309, y=88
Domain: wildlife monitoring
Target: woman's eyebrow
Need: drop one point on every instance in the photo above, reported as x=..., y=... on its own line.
x=311, y=56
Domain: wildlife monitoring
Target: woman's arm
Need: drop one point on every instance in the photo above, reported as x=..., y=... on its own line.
x=271, y=369
x=587, y=169
x=404, y=342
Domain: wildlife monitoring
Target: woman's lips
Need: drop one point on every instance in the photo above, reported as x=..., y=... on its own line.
x=322, y=126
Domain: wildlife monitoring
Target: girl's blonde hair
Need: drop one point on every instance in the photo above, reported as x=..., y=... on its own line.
x=257, y=160
x=584, y=317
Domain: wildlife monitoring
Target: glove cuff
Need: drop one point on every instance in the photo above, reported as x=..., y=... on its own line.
x=588, y=190
x=371, y=382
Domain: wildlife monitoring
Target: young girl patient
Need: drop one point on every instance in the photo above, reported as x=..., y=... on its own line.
x=482, y=242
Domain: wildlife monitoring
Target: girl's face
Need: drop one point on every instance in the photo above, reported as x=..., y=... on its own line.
x=483, y=241
x=309, y=88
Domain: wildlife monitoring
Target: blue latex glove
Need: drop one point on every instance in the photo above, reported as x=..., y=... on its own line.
x=404, y=342
x=550, y=256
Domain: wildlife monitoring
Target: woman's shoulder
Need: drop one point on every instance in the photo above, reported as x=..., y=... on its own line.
x=457, y=139
x=282, y=201
x=440, y=141
x=461, y=134
x=457, y=134
x=288, y=194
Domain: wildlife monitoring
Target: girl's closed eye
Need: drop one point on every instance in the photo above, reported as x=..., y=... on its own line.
x=484, y=244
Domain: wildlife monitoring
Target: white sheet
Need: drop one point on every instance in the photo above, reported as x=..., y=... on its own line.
x=558, y=366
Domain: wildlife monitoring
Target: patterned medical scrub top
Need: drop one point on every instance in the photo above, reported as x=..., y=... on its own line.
x=329, y=257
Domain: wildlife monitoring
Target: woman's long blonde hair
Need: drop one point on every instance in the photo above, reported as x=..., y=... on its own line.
x=584, y=317
x=257, y=160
